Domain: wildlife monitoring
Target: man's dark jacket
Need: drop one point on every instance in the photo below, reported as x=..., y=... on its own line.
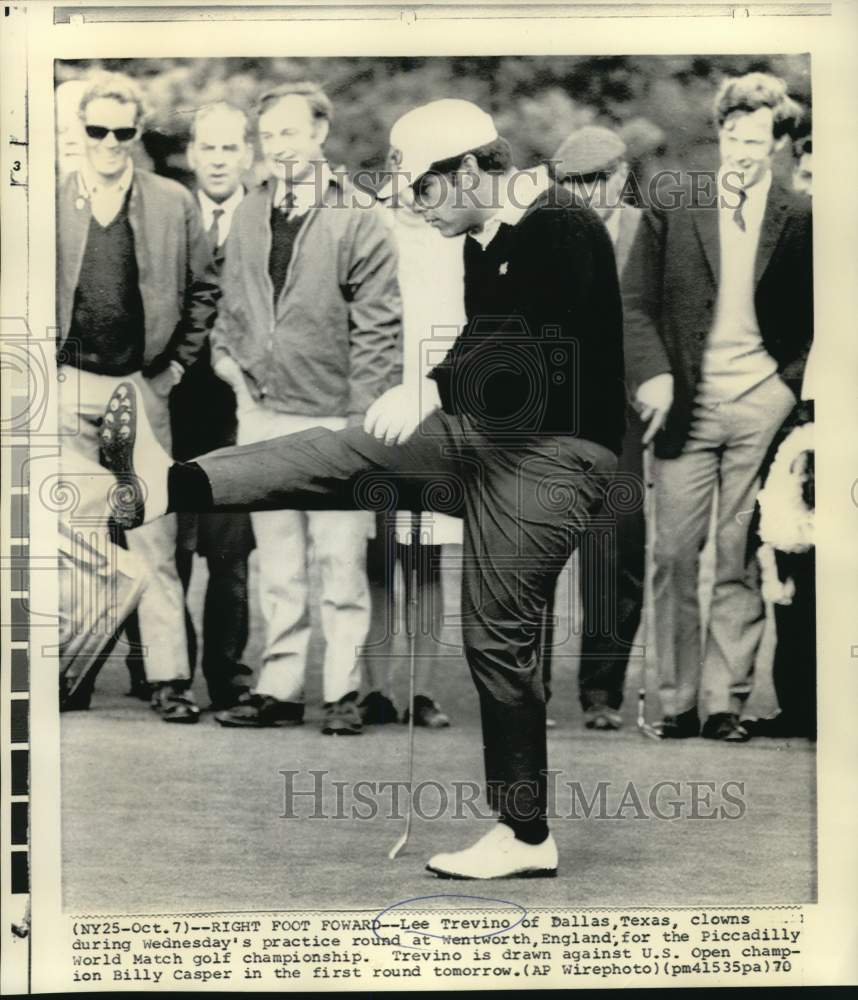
x=670, y=286
x=542, y=351
x=202, y=406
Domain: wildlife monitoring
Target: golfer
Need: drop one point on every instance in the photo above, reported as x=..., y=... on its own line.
x=516, y=430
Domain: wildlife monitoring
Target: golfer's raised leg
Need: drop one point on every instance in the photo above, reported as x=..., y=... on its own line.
x=316, y=469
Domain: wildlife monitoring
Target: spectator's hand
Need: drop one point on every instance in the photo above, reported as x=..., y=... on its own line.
x=654, y=399
x=778, y=591
x=773, y=589
x=226, y=368
x=395, y=416
x=164, y=382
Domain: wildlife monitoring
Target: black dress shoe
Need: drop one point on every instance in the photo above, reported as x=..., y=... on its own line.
x=140, y=689
x=175, y=703
x=342, y=718
x=260, y=711
x=684, y=726
x=229, y=693
x=602, y=717
x=725, y=726
x=377, y=709
x=427, y=713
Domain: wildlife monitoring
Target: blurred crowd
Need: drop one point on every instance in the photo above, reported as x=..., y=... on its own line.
x=243, y=313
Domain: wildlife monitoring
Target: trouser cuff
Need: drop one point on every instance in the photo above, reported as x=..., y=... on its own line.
x=188, y=488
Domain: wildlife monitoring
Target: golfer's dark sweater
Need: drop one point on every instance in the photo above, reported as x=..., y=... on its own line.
x=542, y=349
x=107, y=330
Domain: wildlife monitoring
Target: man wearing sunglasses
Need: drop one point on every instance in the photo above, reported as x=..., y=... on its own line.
x=136, y=297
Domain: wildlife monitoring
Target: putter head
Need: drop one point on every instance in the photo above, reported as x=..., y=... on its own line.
x=652, y=732
x=397, y=847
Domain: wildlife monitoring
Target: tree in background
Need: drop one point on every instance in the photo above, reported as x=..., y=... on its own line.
x=660, y=104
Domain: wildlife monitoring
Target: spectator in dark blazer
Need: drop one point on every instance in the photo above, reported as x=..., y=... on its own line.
x=202, y=408
x=718, y=301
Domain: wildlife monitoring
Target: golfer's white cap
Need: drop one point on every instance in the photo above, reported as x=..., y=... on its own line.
x=434, y=132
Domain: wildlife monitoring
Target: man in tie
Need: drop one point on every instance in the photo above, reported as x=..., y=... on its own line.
x=592, y=164
x=136, y=297
x=718, y=307
x=308, y=335
x=202, y=410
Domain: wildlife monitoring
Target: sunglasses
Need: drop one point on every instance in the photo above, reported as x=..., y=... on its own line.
x=100, y=132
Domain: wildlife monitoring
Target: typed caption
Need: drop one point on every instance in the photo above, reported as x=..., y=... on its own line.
x=488, y=941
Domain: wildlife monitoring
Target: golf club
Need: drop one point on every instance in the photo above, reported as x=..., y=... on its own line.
x=411, y=624
x=647, y=729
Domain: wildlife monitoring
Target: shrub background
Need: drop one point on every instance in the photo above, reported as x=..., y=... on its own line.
x=660, y=104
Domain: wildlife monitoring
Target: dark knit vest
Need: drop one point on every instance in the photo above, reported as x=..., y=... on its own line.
x=108, y=331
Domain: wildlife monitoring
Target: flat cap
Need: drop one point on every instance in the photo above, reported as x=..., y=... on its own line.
x=588, y=150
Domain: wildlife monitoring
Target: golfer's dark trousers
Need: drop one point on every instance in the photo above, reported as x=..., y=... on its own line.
x=612, y=560
x=525, y=505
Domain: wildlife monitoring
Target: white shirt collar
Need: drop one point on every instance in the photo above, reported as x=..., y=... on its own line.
x=516, y=193
x=228, y=207
x=91, y=185
x=305, y=191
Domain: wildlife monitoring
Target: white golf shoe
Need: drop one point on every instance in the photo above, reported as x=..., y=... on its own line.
x=498, y=855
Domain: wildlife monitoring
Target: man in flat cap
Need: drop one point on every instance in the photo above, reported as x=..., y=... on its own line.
x=591, y=163
x=517, y=429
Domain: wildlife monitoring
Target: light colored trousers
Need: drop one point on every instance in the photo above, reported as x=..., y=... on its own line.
x=83, y=397
x=725, y=449
x=286, y=541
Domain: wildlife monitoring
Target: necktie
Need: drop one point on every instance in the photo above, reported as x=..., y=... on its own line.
x=288, y=203
x=214, y=229
x=738, y=218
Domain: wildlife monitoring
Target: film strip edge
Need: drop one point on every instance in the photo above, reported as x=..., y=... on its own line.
x=15, y=972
